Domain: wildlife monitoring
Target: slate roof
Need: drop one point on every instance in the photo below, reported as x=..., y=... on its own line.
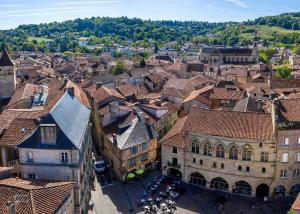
x=137, y=133
x=71, y=118
x=248, y=105
x=239, y=125
x=37, y=197
x=5, y=59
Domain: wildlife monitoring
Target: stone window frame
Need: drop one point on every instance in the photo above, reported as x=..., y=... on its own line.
x=233, y=154
x=195, y=146
x=247, y=152
x=207, y=149
x=220, y=150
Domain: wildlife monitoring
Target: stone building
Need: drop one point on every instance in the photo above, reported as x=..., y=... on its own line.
x=7, y=77
x=228, y=151
x=60, y=148
x=219, y=56
x=287, y=121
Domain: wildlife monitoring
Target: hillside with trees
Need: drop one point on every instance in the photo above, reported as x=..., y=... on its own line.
x=282, y=30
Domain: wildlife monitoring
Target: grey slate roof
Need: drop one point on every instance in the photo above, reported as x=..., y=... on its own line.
x=71, y=118
x=248, y=105
x=136, y=134
x=5, y=59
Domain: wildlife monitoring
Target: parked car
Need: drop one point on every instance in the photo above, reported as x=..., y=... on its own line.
x=100, y=166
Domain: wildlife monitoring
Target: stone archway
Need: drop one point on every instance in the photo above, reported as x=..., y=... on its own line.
x=197, y=179
x=219, y=184
x=242, y=187
x=262, y=190
x=174, y=173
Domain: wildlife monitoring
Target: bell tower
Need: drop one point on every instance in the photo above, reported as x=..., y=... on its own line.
x=7, y=76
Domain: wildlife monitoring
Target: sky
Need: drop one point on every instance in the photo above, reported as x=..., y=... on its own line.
x=16, y=12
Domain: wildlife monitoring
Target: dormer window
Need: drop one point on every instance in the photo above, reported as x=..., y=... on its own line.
x=48, y=133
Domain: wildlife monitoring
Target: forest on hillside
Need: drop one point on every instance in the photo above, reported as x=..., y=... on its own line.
x=281, y=30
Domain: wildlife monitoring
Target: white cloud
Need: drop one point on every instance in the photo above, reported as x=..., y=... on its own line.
x=9, y=5
x=88, y=2
x=238, y=3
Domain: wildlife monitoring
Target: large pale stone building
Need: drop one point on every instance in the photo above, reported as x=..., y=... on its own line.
x=238, y=152
x=60, y=148
x=220, y=56
x=7, y=77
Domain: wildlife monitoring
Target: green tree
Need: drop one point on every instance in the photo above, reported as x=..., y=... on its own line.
x=283, y=71
x=119, y=68
x=29, y=46
x=296, y=50
x=119, y=54
x=155, y=47
x=142, y=63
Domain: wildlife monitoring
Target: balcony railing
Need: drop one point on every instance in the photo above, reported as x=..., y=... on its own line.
x=173, y=165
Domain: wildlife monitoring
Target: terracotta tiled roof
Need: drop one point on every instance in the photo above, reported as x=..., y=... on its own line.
x=183, y=84
x=296, y=204
x=174, y=92
x=257, y=76
x=174, y=137
x=240, y=125
x=19, y=129
x=196, y=95
x=9, y=115
x=34, y=197
x=202, y=80
x=155, y=78
x=225, y=94
x=126, y=90
x=284, y=83
x=289, y=110
x=103, y=93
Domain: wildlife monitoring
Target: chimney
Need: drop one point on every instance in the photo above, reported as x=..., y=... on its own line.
x=114, y=109
x=11, y=208
x=259, y=105
x=71, y=91
x=98, y=85
x=158, y=102
x=115, y=141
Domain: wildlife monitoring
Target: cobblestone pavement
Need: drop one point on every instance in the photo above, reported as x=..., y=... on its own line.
x=116, y=198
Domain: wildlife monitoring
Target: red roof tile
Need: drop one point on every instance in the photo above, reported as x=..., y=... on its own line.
x=34, y=197
x=240, y=125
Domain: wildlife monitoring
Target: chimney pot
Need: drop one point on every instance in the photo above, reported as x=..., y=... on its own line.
x=98, y=85
x=158, y=102
x=115, y=141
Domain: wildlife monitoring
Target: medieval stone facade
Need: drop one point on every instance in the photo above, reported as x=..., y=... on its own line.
x=242, y=153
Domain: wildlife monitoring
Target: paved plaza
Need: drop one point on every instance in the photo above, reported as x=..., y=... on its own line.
x=112, y=197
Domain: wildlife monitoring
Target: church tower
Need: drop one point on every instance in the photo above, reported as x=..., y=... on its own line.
x=7, y=77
